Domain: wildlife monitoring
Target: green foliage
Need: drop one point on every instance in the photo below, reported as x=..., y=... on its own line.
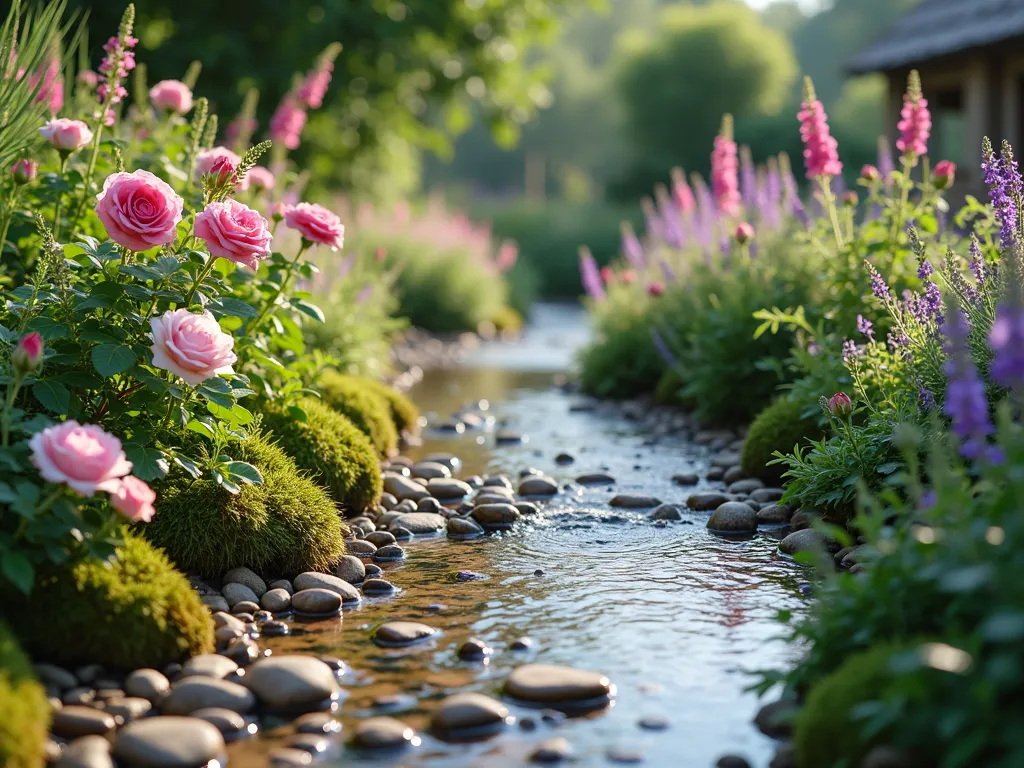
x=746, y=69
x=24, y=710
x=285, y=525
x=827, y=732
x=621, y=361
x=404, y=413
x=363, y=405
x=669, y=388
x=132, y=611
x=326, y=444
x=779, y=427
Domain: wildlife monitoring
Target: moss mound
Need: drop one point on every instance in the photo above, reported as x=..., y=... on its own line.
x=133, y=611
x=285, y=525
x=404, y=413
x=364, y=406
x=24, y=711
x=777, y=428
x=826, y=733
x=332, y=450
x=668, y=390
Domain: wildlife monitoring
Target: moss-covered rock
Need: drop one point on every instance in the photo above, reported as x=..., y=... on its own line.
x=133, y=611
x=778, y=427
x=285, y=525
x=404, y=413
x=363, y=405
x=335, y=453
x=826, y=733
x=24, y=711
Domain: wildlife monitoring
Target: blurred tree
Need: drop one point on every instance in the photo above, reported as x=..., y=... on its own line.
x=411, y=72
x=676, y=83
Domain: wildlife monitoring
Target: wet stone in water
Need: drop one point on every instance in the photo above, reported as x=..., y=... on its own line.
x=767, y=495
x=560, y=687
x=733, y=517
x=361, y=547
x=275, y=628
x=732, y=761
x=536, y=485
x=564, y=458
x=527, y=508
x=806, y=540
x=552, y=751
x=419, y=522
x=396, y=634
x=473, y=650
x=289, y=758
x=429, y=505
x=373, y=571
x=168, y=742
x=208, y=665
x=686, y=478
x=316, y=602
x=314, y=744
x=403, y=488
x=380, y=539
x=746, y=485
x=242, y=651
x=634, y=501
x=774, y=514
x=350, y=568
x=463, y=527
x=497, y=481
x=389, y=553
x=313, y=580
x=668, y=512
x=653, y=723
x=625, y=756
x=129, y=708
x=401, y=533
x=595, y=478
x=292, y=683
x=194, y=693
x=468, y=711
x=276, y=601
x=522, y=644
x=428, y=470
x=384, y=733
x=230, y=724
x=706, y=501
x=496, y=515
x=448, y=489
x=378, y=587
x=317, y=723
x=469, y=576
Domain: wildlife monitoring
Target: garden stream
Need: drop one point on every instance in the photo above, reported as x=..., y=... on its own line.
x=673, y=615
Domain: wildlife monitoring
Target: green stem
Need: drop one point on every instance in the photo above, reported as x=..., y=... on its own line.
x=830, y=206
x=60, y=198
x=92, y=164
x=8, y=215
x=280, y=289
x=203, y=274
x=904, y=197
x=5, y=421
x=856, y=448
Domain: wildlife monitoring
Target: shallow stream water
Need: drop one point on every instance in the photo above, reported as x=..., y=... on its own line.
x=673, y=615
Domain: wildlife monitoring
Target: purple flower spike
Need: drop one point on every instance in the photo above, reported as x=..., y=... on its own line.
x=1007, y=341
x=590, y=275
x=966, y=405
x=864, y=326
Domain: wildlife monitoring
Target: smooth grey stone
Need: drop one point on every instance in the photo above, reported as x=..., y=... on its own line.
x=401, y=533
x=491, y=498
x=168, y=742
x=733, y=517
x=402, y=633
x=686, y=478
x=128, y=709
x=380, y=539
x=378, y=587
x=448, y=488
x=361, y=548
x=775, y=719
x=734, y=475
x=89, y=674
x=706, y=501
x=806, y=540
x=428, y=470
x=291, y=682
x=565, y=458
x=147, y=684
x=52, y=676
x=746, y=485
x=429, y=505
x=363, y=524
x=450, y=460
x=215, y=603
x=554, y=750
x=194, y=693
x=275, y=628
x=403, y=488
x=247, y=577
x=314, y=744
x=313, y=580
x=317, y=723
x=496, y=515
x=668, y=512
x=732, y=761
x=527, y=508
x=419, y=522
x=473, y=650
x=624, y=756
x=537, y=485
x=244, y=608
x=634, y=501
x=463, y=527
x=775, y=514
x=81, y=695
x=316, y=601
x=406, y=506
x=522, y=644
x=595, y=478
x=384, y=733
x=467, y=710
x=276, y=600
x=243, y=651
x=389, y=553
x=373, y=571
x=497, y=481
x=224, y=720
x=351, y=569
x=289, y=757
x=237, y=593
x=225, y=619
x=653, y=723
x=553, y=685
x=208, y=665
x=86, y=752
x=803, y=519
x=388, y=500
x=74, y=720
x=767, y=495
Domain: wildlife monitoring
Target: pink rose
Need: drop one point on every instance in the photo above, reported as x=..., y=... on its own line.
x=235, y=232
x=260, y=178
x=218, y=158
x=139, y=210
x=134, y=499
x=191, y=346
x=83, y=456
x=171, y=96
x=316, y=224
x=66, y=135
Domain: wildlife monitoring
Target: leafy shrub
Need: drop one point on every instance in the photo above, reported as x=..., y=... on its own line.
x=24, y=710
x=363, y=405
x=327, y=445
x=622, y=360
x=133, y=611
x=404, y=413
x=779, y=427
x=669, y=388
x=285, y=525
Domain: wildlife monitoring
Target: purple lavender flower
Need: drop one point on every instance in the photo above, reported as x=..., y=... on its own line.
x=1005, y=186
x=365, y=294
x=928, y=500
x=793, y=195
x=966, y=405
x=927, y=398
x=1007, y=341
x=590, y=275
x=864, y=326
x=977, y=262
x=878, y=285
x=663, y=350
x=748, y=179
x=927, y=308
x=897, y=340
x=885, y=162
x=925, y=270
x=631, y=247
x=851, y=350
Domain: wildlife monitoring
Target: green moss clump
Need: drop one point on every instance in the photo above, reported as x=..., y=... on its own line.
x=285, y=525
x=668, y=390
x=24, y=710
x=332, y=449
x=133, y=611
x=826, y=733
x=404, y=413
x=778, y=427
x=364, y=407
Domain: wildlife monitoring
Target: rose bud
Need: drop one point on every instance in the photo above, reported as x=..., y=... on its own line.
x=840, y=405
x=870, y=174
x=944, y=174
x=607, y=275
x=655, y=289
x=24, y=171
x=850, y=199
x=744, y=233
x=28, y=355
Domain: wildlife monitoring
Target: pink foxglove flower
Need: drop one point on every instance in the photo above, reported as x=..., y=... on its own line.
x=821, y=150
x=916, y=123
x=83, y=457
x=725, y=165
x=139, y=210
x=51, y=91
x=134, y=499
x=171, y=96
x=681, y=191
x=287, y=123
x=235, y=232
x=191, y=346
x=316, y=224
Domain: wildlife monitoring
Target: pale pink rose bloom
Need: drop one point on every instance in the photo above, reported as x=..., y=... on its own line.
x=261, y=178
x=84, y=457
x=139, y=210
x=66, y=135
x=208, y=158
x=171, y=96
x=316, y=224
x=235, y=232
x=191, y=346
x=134, y=499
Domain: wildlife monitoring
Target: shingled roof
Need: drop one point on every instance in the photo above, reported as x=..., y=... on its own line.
x=940, y=27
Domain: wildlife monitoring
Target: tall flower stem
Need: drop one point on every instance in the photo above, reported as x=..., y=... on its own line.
x=825, y=182
x=203, y=274
x=8, y=214
x=60, y=198
x=904, y=198
x=280, y=289
x=5, y=418
x=87, y=183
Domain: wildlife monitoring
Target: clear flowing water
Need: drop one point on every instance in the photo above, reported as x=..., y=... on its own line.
x=673, y=615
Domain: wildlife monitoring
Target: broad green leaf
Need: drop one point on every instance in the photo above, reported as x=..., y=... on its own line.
x=226, y=305
x=18, y=570
x=53, y=395
x=166, y=265
x=244, y=472
x=48, y=328
x=309, y=309
x=109, y=359
x=148, y=463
